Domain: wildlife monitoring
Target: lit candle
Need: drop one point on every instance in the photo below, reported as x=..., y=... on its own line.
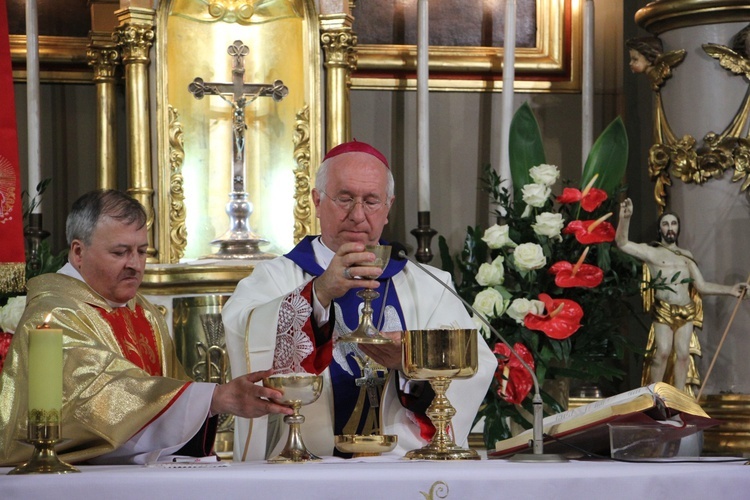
x=423, y=111
x=45, y=369
x=32, y=99
x=509, y=77
x=587, y=86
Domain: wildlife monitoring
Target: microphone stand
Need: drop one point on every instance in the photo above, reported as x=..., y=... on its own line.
x=537, y=441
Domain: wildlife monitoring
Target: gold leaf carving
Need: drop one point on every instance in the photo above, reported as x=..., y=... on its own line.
x=302, y=174
x=177, y=215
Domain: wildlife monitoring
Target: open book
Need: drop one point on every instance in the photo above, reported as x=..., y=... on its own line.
x=586, y=426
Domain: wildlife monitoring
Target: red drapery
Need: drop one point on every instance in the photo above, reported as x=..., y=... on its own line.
x=12, y=255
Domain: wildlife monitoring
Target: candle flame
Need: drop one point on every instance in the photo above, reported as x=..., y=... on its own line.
x=599, y=221
x=580, y=261
x=589, y=185
x=46, y=321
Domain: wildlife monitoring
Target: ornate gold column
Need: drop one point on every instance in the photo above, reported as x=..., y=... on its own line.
x=135, y=35
x=103, y=56
x=339, y=46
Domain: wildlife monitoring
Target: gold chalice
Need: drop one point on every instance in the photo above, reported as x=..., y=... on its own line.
x=440, y=356
x=367, y=332
x=299, y=389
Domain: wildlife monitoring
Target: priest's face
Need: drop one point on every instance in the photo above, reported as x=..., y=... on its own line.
x=114, y=262
x=354, y=206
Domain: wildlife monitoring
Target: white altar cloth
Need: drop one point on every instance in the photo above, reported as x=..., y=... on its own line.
x=392, y=480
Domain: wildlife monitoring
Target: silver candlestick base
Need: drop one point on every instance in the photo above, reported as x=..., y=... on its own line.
x=240, y=242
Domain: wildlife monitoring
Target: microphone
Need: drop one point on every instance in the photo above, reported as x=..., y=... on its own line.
x=538, y=427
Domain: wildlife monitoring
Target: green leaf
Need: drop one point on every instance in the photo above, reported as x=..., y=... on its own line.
x=525, y=147
x=608, y=158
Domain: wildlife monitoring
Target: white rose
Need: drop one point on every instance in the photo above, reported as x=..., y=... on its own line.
x=519, y=308
x=481, y=326
x=497, y=237
x=11, y=313
x=491, y=274
x=544, y=174
x=536, y=195
x=528, y=256
x=548, y=224
x=490, y=302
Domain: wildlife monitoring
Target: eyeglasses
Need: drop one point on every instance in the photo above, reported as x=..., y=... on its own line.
x=347, y=203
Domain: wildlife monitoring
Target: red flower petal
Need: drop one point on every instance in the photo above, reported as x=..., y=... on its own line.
x=560, y=326
x=593, y=199
x=588, y=276
x=519, y=381
x=603, y=232
x=569, y=195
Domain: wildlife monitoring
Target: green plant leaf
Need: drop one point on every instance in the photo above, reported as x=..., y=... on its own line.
x=608, y=158
x=525, y=147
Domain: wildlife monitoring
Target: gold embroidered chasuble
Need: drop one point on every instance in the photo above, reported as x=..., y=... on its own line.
x=106, y=398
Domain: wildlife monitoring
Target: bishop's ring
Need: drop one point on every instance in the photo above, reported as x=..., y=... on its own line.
x=347, y=273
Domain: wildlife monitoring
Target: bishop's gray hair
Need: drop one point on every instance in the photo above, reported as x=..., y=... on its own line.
x=90, y=208
x=321, y=179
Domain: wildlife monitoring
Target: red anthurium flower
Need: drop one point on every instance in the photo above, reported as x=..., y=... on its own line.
x=513, y=379
x=568, y=275
x=588, y=232
x=563, y=318
x=590, y=197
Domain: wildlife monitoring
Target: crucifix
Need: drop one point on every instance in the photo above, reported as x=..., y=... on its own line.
x=239, y=242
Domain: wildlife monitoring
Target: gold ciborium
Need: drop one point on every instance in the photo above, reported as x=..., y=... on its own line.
x=363, y=446
x=440, y=356
x=367, y=332
x=299, y=389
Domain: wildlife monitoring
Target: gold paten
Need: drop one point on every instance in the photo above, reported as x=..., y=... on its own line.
x=298, y=389
x=374, y=444
x=664, y=15
x=546, y=61
x=135, y=35
x=440, y=356
x=732, y=436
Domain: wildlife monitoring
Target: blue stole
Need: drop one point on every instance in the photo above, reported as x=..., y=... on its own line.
x=345, y=390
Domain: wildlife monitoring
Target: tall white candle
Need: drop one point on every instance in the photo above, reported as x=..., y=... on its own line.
x=32, y=98
x=587, y=85
x=509, y=77
x=423, y=106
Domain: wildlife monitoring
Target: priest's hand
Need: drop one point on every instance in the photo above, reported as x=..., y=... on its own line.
x=388, y=355
x=244, y=398
x=348, y=269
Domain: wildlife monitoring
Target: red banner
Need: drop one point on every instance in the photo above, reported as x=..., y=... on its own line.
x=12, y=255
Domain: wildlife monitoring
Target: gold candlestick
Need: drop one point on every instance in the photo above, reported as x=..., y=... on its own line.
x=44, y=434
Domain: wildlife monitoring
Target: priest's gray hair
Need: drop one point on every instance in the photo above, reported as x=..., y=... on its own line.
x=89, y=209
x=321, y=179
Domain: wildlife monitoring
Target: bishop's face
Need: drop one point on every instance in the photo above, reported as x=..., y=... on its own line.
x=669, y=227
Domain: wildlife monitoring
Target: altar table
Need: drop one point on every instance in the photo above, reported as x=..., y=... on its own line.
x=413, y=480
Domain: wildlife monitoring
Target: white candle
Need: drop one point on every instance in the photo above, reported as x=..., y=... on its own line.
x=32, y=98
x=45, y=370
x=423, y=106
x=509, y=77
x=587, y=86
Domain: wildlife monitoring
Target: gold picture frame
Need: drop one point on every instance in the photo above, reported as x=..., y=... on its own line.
x=552, y=65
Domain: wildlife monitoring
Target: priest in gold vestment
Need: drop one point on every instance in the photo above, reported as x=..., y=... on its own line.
x=126, y=399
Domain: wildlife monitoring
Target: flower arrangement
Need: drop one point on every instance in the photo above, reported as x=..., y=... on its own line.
x=548, y=276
